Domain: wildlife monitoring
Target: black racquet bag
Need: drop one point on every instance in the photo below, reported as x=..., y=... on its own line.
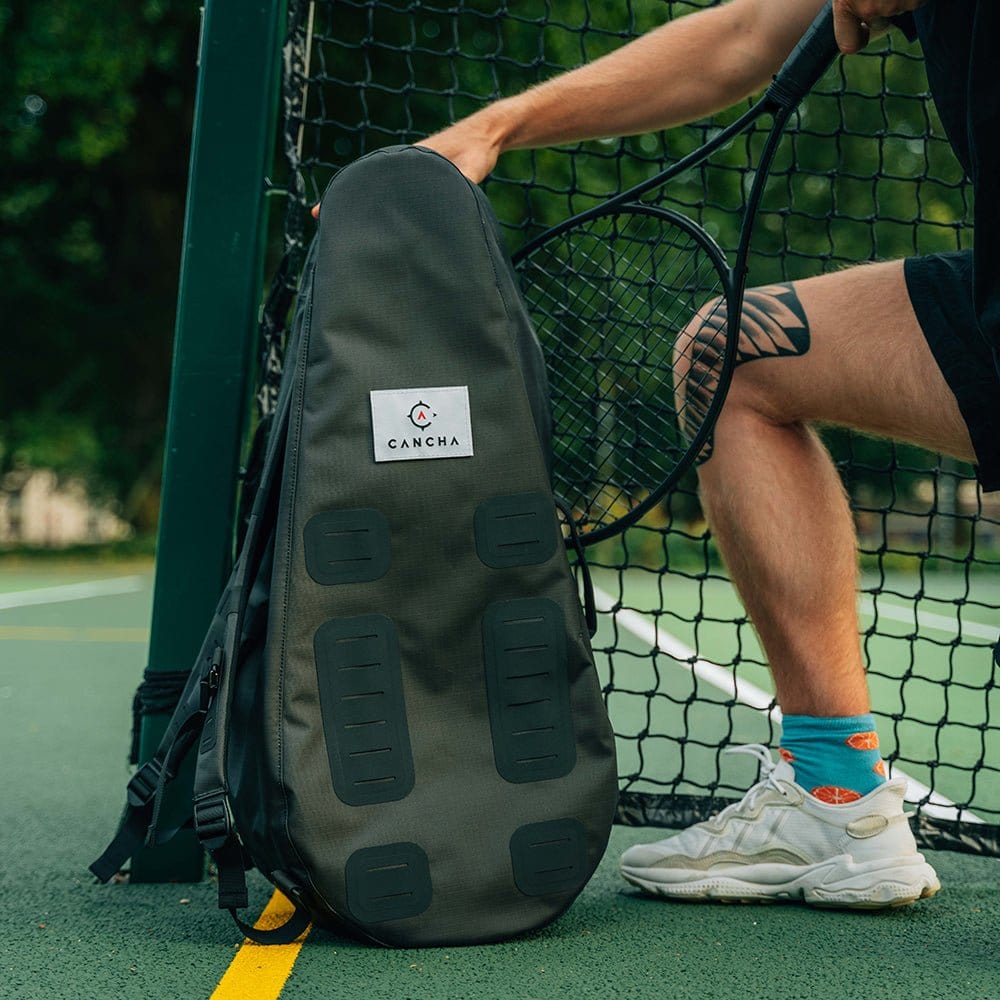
x=396, y=710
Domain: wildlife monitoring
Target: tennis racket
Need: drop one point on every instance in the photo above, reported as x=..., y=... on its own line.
x=636, y=386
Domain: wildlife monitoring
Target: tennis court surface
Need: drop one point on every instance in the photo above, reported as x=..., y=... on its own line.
x=71, y=659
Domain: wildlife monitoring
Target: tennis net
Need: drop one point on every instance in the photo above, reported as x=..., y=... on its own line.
x=865, y=173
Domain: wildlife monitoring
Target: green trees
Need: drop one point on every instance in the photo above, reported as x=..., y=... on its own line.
x=95, y=116
x=95, y=111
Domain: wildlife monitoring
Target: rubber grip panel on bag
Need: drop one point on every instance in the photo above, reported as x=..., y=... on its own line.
x=364, y=715
x=517, y=530
x=527, y=688
x=347, y=546
x=549, y=857
x=388, y=883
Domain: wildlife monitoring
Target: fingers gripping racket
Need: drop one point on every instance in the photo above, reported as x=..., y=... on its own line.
x=638, y=311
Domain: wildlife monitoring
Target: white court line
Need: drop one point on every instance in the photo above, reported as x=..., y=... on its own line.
x=929, y=620
x=72, y=592
x=754, y=697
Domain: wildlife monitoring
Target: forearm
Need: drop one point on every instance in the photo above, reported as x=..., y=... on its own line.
x=685, y=70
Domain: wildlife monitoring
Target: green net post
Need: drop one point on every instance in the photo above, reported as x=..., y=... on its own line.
x=232, y=147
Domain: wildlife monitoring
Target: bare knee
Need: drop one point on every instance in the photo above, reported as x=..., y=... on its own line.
x=773, y=325
x=698, y=355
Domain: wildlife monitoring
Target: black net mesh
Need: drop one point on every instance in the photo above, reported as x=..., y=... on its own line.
x=864, y=173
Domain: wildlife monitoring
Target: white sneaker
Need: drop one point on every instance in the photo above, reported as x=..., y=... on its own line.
x=778, y=842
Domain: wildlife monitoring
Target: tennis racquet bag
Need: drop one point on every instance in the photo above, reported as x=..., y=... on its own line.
x=396, y=710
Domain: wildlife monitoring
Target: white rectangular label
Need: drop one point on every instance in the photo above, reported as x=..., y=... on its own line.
x=421, y=423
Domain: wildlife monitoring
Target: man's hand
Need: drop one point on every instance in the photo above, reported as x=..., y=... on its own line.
x=473, y=145
x=470, y=144
x=855, y=21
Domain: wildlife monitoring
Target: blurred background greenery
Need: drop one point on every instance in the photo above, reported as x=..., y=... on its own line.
x=96, y=102
x=96, y=105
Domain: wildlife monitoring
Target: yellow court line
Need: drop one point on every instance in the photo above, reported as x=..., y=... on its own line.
x=259, y=971
x=65, y=633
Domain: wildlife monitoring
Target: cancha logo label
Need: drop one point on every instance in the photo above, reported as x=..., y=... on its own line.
x=421, y=423
x=421, y=416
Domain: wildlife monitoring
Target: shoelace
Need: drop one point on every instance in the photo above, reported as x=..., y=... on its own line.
x=766, y=779
x=763, y=755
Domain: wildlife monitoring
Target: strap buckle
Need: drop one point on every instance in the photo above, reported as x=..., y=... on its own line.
x=143, y=784
x=213, y=819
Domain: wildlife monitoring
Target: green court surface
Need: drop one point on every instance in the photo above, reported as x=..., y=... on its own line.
x=69, y=663
x=943, y=690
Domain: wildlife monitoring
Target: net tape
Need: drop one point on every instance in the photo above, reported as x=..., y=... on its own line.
x=864, y=173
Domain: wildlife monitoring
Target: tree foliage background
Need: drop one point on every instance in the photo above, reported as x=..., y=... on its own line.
x=96, y=101
x=95, y=114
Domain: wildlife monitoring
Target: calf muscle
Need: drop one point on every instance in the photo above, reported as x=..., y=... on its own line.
x=843, y=349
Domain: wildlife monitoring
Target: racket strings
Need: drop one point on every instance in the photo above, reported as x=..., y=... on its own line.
x=625, y=308
x=701, y=372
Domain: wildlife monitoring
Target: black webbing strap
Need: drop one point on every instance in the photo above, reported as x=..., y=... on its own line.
x=251, y=475
x=231, y=864
x=145, y=789
x=138, y=825
x=183, y=741
x=212, y=817
x=145, y=794
x=215, y=664
x=285, y=934
x=131, y=834
x=213, y=820
x=130, y=837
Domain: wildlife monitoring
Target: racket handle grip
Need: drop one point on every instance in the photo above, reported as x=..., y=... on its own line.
x=808, y=61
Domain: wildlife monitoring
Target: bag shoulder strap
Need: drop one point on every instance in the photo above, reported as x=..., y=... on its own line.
x=145, y=789
x=138, y=825
x=213, y=818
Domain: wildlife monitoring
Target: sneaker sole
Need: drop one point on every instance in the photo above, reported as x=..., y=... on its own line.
x=835, y=884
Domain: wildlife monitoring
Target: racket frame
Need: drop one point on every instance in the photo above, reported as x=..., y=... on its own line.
x=733, y=276
x=809, y=59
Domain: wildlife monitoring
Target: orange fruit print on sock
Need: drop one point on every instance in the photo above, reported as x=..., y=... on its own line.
x=863, y=741
x=834, y=796
x=879, y=768
x=786, y=755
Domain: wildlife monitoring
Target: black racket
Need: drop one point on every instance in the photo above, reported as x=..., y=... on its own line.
x=613, y=291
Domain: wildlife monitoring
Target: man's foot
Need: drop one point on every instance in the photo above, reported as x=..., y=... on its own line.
x=780, y=843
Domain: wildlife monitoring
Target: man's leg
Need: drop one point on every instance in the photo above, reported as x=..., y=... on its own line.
x=854, y=355
x=844, y=349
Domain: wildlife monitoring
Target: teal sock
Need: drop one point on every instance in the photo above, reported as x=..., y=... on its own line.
x=837, y=760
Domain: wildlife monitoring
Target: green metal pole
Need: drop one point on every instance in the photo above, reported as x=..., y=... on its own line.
x=218, y=297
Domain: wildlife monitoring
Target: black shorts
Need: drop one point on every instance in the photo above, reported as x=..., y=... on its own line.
x=940, y=289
